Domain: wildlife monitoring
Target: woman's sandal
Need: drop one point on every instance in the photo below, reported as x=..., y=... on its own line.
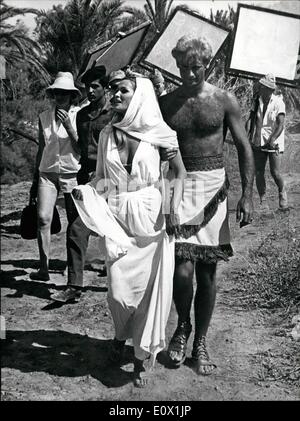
x=178, y=343
x=116, y=351
x=200, y=356
x=140, y=379
x=141, y=374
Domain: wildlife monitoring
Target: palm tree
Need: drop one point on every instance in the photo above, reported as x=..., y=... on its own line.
x=130, y=18
x=69, y=33
x=159, y=13
x=15, y=43
x=225, y=18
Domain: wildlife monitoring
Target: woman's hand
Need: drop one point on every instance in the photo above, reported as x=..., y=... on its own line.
x=64, y=118
x=167, y=154
x=77, y=194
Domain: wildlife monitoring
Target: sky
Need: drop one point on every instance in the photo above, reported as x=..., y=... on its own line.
x=203, y=6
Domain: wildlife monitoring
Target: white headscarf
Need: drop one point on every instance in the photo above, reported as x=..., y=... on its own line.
x=143, y=119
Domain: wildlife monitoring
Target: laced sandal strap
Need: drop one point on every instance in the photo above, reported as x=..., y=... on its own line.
x=178, y=343
x=182, y=333
x=199, y=349
x=201, y=358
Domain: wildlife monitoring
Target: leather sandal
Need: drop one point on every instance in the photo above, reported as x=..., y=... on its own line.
x=201, y=357
x=178, y=343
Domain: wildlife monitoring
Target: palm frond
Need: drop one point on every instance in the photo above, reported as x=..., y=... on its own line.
x=7, y=12
x=150, y=10
x=168, y=11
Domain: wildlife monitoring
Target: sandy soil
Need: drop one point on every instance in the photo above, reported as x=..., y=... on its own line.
x=58, y=352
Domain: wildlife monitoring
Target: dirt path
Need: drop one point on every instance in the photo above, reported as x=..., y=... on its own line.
x=59, y=353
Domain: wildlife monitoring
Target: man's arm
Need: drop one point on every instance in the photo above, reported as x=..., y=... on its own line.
x=245, y=156
x=248, y=124
x=172, y=219
x=166, y=154
x=277, y=130
x=83, y=174
x=79, y=132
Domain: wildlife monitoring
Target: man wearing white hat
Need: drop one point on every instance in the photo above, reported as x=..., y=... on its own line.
x=266, y=132
x=57, y=163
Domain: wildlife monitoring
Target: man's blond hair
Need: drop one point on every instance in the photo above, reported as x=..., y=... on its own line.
x=189, y=48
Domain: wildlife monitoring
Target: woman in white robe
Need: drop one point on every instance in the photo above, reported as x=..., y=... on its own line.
x=124, y=205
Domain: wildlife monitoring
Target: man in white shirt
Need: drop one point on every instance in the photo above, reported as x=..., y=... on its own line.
x=266, y=132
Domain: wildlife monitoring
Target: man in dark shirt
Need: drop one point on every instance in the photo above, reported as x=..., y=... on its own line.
x=90, y=121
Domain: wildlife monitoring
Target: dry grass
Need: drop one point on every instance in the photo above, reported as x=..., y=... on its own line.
x=272, y=273
x=270, y=283
x=283, y=365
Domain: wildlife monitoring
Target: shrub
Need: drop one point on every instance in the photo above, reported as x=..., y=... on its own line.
x=272, y=278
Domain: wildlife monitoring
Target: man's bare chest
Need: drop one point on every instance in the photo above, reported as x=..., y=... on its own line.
x=204, y=116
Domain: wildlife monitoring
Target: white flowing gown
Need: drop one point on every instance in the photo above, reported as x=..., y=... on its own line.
x=139, y=253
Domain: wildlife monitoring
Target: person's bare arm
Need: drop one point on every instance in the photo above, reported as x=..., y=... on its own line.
x=66, y=122
x=166, y=154
x=277, y=130
x=177, y=165
x=245, y=157
x=180, y=174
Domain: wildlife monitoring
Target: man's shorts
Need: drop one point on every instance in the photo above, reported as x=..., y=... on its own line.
x=64, y=183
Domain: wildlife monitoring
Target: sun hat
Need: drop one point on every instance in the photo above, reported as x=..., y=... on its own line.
x=65, y=81
x=269, y=81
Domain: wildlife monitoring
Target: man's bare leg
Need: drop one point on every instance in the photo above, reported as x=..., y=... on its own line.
x=183, y=296
x=275, y=164
x=204, y=303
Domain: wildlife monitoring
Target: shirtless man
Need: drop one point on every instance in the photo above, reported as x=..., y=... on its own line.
x=200, y=113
